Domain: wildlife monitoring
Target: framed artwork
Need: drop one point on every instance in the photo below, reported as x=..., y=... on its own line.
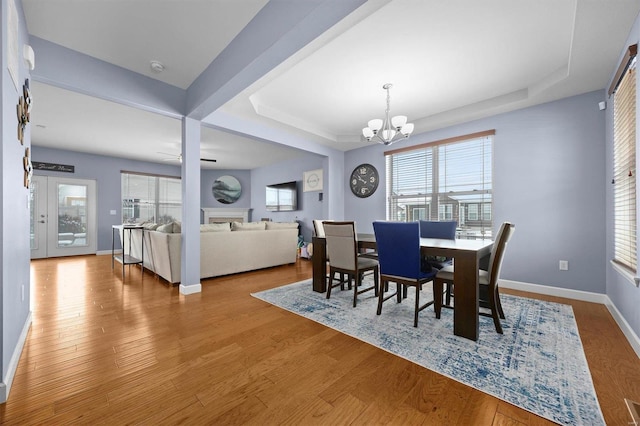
x=226, y=189
x=312, y=181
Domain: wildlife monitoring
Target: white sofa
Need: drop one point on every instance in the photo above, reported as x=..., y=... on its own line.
x=225, y=248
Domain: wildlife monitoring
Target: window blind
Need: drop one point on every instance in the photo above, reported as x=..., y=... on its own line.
x=445, y=180
x=624, y=169
x=150, y=198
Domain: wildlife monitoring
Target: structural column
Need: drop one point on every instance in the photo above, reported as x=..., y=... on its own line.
x=190, y=254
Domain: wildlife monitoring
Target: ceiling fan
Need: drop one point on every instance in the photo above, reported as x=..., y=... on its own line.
x=178, y=157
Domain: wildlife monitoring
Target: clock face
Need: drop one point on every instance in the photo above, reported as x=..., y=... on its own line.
x=364, y=180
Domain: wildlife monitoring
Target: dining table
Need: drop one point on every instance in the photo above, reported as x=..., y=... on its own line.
x=467, y=255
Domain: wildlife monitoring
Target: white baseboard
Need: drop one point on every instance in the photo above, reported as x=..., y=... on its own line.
x=107, y=252
x=631, y=336
x=585, y=296
x=190, y=289
x=5, y=386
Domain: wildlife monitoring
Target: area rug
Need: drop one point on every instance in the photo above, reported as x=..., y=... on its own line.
x=538, y=364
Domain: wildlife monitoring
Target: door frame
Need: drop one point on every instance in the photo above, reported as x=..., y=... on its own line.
x=53, y=248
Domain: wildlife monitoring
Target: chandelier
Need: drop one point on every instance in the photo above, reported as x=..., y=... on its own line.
x=389, y=130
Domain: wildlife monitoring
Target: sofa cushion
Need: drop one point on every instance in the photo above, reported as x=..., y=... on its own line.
x=167, y=228
x=170, y=228
x=282, y=225
x=248, y=226
x=216, y=227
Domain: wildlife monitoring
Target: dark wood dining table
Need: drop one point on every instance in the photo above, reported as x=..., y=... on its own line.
x=467, y=255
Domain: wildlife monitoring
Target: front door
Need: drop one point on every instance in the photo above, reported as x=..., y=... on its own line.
x=63, y=217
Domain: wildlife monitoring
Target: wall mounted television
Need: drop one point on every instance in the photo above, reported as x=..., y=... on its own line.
x=282, y=197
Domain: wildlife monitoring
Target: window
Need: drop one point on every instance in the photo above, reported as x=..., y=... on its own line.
x=419, y=213
x=473, y=212
x=150, y=198
x=450, y=179
x=445, y=212
x=624, y=161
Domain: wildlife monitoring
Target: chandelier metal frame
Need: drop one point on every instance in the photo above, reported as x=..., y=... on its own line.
x=389, y=130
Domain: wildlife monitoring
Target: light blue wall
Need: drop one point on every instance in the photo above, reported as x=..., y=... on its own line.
x=309, y=206
x=105, y=171
x=549, y=179
x=622, y=292
x=15, y=208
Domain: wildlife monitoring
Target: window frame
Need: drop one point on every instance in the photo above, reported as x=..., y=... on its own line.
x=436, y=187
x=155, y=203
x=623, y=90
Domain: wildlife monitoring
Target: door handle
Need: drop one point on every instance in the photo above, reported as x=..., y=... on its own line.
x=41, y=221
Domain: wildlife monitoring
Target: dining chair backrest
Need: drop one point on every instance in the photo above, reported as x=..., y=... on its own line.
x=497, y=252
x=341, y=241
x=318, y=226
x=398, y=245
x=438, y=229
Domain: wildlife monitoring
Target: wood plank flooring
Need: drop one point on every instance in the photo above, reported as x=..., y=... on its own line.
x=103, y=350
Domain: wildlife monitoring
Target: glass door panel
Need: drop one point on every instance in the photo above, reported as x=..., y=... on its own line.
x=63, y=217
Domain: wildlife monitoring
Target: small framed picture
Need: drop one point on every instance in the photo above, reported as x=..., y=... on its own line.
x=312, y=181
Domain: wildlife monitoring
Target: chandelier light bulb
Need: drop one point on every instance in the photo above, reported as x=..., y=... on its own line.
x=398, y=121
x=407, y=129
x=389, y=130
x=375, y=125
x=388, y=134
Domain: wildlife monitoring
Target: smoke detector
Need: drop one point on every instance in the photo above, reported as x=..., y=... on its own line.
x=156, y=66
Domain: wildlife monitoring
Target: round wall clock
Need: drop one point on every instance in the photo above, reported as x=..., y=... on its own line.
x=364, y=180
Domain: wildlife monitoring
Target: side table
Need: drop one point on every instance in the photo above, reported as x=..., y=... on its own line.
x=125, y=258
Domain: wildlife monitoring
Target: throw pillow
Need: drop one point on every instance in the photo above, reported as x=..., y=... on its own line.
x=248, y=226
x=282, y=225
x=167, y=228
x=177, y=227
x=216, y=227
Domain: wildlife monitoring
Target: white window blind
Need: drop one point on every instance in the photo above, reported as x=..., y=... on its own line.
x=444, y=180
x=150, y=198
x=624, y=167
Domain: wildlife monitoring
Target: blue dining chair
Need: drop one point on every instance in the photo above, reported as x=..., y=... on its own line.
x=445, y=229
x=398, y=245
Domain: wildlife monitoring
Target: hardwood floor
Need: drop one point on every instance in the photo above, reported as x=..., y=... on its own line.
x=105, y=351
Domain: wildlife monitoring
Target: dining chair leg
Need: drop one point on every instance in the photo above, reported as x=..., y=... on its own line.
x=499, y=305
x=448, y=295
x=494, y=313
x=376, y=278
x=417, y=308
x=356, y=279
x=381, y=296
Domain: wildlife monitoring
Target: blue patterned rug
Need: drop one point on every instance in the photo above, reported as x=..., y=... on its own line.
x=538, y=364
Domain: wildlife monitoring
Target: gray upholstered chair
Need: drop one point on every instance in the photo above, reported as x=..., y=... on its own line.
x=342, y=243
x=489, y=294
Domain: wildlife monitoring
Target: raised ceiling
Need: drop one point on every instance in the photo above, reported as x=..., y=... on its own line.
x=450, y=62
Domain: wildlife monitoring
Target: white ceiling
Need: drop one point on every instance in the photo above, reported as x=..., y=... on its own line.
x=449, y=62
